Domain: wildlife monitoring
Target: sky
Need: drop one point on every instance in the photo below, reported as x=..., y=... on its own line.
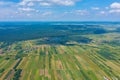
x=59, y=10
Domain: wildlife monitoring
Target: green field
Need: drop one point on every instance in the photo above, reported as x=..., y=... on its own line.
x=97, y=60
x=59, y=52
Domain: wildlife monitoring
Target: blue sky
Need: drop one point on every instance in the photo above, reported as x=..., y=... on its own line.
x=59, y=10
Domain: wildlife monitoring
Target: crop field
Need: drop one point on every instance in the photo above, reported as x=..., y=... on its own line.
x=82, y=57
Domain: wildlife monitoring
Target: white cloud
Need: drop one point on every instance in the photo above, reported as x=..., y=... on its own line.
x=76, y=12
x=30, y=4
x=102, y=12
x=95, y=8
x=115, y=5
x=26, y=9
x=64, y=2
x=23, y=3
x=45, y=4
x=49, y=2
x=81, y=12
x=28, y=14
x=115, y=8
x=115, y=11
x=47, y=13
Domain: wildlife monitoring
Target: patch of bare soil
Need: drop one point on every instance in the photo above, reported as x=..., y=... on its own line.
x=1, y=52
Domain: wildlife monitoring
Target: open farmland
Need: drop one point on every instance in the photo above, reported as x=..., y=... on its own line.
x=69, y=53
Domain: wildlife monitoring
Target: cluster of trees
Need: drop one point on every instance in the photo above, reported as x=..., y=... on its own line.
x=17, y=63
x=64, y=39
x=17, y=74
x=7, y=58
x=2, y=70
x=17, y=71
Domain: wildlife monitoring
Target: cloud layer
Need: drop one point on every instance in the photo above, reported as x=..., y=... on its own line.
x=57, y=10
